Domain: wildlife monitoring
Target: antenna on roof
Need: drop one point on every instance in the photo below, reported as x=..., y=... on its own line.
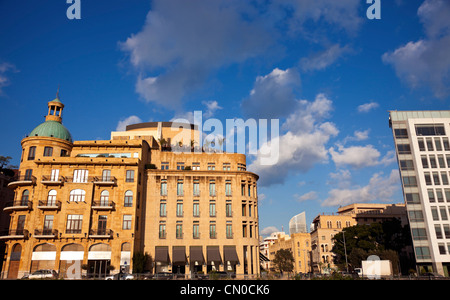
x=57, y=92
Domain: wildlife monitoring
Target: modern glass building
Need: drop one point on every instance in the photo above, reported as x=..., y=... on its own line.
x=298, y=224
x=423, y=152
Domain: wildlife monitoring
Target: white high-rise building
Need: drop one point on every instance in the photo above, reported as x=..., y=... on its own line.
x=423, y=153
x=298, y=224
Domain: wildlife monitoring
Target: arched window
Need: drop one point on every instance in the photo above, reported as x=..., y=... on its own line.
x=77, y=195
x=128, y=199
x=25, y=197
x=51, y=198
x=104, y=198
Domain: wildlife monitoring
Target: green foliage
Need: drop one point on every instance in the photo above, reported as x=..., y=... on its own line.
x=140, y=261
x=284, y=260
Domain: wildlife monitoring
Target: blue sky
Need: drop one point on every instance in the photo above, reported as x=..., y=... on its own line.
x=322, y=68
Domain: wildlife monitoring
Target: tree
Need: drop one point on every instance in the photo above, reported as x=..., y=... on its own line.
x=284, y=260
x=5, y=167
x=140, y=261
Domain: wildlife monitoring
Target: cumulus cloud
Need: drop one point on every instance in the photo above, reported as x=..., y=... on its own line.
x=426, y=61
x=322, y=60
x=211, y=107
x=268, y=231
x=273, y=95
x=366, y=107
x=302, y=145
x=360, y=156
x=5, y=68
x=380, y=188
x=121, y=126
x=305, y=197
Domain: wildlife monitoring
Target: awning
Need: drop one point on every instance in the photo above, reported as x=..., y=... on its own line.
x=179, y=255
x=162, y=254
x=213, y=254
x=196, y=255
x=262, y=257
x=229, y=254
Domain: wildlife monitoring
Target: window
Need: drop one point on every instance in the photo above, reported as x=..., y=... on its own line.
x=442, y=249
x=412, y=198
x=401, y=133
x=244, y=230
x=444, y=178
x=163, y=187
x=179, y=230
x=163, y=208
x=244, y=209
x=126, y=222
x=25, y=198
x=196, y=230
x=430, y=129
x=446, y=144
x=439, y=195
x=80, y=176
x=128, y=201
x=212, y=208
x=436, y=178
x=51, y=198
x=74, y=223
x=179, y=209
x=162, y=230
x=242, y=189
x=48, y=224
x=438, y=230
x=28, y=174
x=443, y=212
x=433, y=161
x=421, y=144
x=419, y=234
x=226, y=166
x=228, y=188
x=106, y=175
x=77, y=195
x=434, y=213
x=441, y=161
x=229, y=228
x=180, y=188
x=64, y=153
x=415, y=216
x=129, y=176
x=446, y=231
x=431, y=197
x=180, y=166
x=423, y=252
x=104, y=198
x=164, y=166
x=54, y=175
x=404, y=149
x=427, y=179
x=196, y=166
x=429, y=142
x=48, y=151
x=406, y=165
x=409, y=181
x=212, y=230
x=228, y=209
x=437, y=143
x=196, y=209
x=32, y=153
x=212, y=188
x=196, y=188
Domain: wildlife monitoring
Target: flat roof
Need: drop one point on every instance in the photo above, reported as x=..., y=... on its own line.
x=418, y=114
x=155, y=125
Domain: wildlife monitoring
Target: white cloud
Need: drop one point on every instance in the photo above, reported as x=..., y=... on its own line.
x=305, y=197
x=5, y=67
x=121, y=126
x=268, y=231
x=360, y=156
x=366, y=107
x=426, y=62
x=379, y=189
x=211, y=107
x=303, y=145
x=322, y=60
x=272, y=95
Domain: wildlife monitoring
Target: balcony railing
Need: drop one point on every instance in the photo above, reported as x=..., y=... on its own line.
x=100, y=233
x=49, y=205
x=14, y=234
x=18, y=205
x=22, y=180
x=105, y=180
x=52, y=180
x=45, y=233
x=103, y=205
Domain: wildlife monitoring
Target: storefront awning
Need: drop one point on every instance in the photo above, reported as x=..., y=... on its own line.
x=179, y=255
x=162, y=254
x=230, y=255
x=213, y=254
x=196, y=255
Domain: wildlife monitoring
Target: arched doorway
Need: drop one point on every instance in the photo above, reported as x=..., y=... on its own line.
x=43, y=257
x=99, y=260
x=71, y=260
x=14, y=261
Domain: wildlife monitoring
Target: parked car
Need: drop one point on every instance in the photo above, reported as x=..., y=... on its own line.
x=41, y=274
x=123, y=276
x=163, y=276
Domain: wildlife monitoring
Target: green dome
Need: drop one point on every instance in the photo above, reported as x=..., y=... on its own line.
x=52, y=129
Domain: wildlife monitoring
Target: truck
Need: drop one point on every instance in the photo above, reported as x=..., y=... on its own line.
x=374, y=268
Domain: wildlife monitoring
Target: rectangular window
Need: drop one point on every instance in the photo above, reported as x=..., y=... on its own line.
x=179, y=209
x=80, y=176
x=424, y=161
x=423, y=253
x=212, y=188
x=430, y=129
x=211, y=166
x=163, y=209
x=196, y=209
x=179, y=188
x=48, y=151
x=441, y=161
x=226, y=166
x=212, y=230
x=74, y=223
x=421, y=145
x=433, y=161
x=196, y=188
x=415, y=216
x=404, y=149
x=434, y=213
x=443, y=212
x=106, y=175
x=179, y=231
x=28, y=174
x=409, y=181
x=412, y=198
x=436, y=178
x=32, y=153
x=446, y=231
x=438, y=230
x=180, y=166
x=212, y=208
x=444, y=178
x=429, y=143
x=446, y=144
x=439, y=195
x=427, y=179
x=126, y=222
x=228, y=209
x=162, y=230
x=401, y=133
x=196, y=166
x=419, y=234
x=130, y=176
x=196, y=230
x=164, y=166
x=406, y=165
x=437, y=143
x=227, y=188
x=163, y=188
x=244, y=209
x=48, y=224
x=229, y=229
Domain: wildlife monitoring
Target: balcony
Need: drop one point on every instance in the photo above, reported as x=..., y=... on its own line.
x=45, y=233
x=53, y=180
x=22, y=180
x=49, y=205
x=18, y=205
x=100, y=234
x=103, y=205
x=14, y=234
x=105, y=180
